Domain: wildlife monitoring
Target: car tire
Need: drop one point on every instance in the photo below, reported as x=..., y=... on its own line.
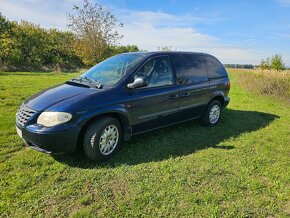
x=213, y=114
x=102, y=138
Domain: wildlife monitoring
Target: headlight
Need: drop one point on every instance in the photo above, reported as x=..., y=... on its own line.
x=49, y=119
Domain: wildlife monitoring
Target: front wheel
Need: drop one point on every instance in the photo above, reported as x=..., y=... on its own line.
x=102, y=138
x=213, y=114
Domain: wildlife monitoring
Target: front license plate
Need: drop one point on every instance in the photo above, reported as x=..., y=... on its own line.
x=19, y=132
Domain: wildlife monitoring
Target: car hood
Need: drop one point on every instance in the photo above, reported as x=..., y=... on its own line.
x=46, y=98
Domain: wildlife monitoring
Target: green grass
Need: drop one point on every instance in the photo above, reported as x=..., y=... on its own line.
x=237, y=169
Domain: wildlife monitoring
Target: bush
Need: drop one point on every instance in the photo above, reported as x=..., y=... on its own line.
x=27, y=45
x=275, y=63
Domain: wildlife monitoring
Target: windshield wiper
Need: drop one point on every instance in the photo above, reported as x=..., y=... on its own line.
x=98, y=85
x=91, y=81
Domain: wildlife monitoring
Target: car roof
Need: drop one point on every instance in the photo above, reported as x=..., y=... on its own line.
x=152, y=53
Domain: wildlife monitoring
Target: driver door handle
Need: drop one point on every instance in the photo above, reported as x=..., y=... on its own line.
x=175, y=96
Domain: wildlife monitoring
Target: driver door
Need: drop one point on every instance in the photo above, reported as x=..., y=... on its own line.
x=157, y=103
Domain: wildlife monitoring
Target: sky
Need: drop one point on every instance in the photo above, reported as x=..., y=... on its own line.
x=241, y=32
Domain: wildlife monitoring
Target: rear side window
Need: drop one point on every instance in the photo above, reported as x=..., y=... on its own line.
x=190, y=68
x=214, y=68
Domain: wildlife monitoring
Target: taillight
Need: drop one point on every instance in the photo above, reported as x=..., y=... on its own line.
x=229, y=85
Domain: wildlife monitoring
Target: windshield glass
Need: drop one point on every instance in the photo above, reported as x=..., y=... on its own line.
x=110, y=71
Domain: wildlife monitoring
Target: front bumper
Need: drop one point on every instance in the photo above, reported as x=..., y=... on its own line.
x=49, y=142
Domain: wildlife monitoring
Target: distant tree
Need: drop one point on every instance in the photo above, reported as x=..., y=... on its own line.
x=274, y=63
x=113, y=50
x=6, y=39
x=29, y=44
x=95, y=28
x=59, y=49
x=277, y=62
x=242, y=66
x=166, y=48
x=116, y=49
x=265, y=64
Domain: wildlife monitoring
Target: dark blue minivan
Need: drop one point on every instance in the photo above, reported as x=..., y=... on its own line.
x=123, y=96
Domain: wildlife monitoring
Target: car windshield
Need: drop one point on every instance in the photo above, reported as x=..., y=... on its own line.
x=110, y=71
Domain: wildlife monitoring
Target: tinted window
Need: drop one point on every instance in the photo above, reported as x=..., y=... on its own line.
x=214, y=67
x=157, y=71
x=189, y=68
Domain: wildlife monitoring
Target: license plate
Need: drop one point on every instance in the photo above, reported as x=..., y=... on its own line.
x=19, y=132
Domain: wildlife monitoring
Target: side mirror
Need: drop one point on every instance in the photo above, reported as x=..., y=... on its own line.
x=138, y=82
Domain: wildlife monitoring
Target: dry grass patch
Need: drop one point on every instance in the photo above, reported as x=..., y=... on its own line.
x=266, y=82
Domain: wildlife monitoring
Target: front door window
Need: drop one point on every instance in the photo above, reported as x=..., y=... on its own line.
x=157, y=71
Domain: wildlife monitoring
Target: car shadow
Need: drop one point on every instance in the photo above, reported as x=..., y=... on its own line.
x=177, y=140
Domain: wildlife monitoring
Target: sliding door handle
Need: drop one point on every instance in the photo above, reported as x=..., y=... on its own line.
x=184, y=95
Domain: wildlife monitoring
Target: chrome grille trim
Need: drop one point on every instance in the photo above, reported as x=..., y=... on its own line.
x=23, y=114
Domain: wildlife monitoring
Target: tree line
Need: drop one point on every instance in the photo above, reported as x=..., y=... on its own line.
x=90, y=38
x=240, y=66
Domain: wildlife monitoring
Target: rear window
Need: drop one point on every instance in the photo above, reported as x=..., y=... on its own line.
x=190, y=68
x=214, y=67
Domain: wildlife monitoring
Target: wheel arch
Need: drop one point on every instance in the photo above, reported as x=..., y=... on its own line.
x=124, y=121
x=217, y=96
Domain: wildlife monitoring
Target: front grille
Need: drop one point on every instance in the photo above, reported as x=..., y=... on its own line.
x=23, y=114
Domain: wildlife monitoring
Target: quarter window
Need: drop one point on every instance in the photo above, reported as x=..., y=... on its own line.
x=190, y=69
x=214, y=67
x=157, y=71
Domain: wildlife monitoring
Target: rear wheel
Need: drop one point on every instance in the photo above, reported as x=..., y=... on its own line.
x=213, y=114
x=102, y=139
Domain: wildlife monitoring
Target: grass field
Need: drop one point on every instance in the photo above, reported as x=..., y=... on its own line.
x=237, y=169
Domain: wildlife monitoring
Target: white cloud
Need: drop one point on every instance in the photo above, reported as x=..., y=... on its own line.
x=149, y=30
x=284, y=2
x=46, y=13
